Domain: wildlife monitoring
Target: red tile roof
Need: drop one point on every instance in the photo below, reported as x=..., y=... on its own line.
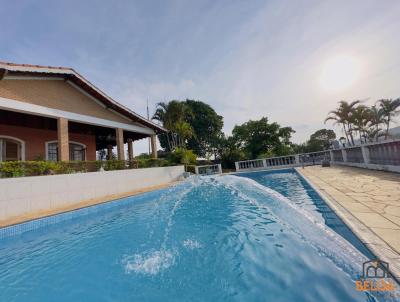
x=76, y=78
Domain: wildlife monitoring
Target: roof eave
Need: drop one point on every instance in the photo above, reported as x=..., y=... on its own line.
x=72, y=75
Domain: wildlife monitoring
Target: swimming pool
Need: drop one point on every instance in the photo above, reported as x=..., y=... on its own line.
x=264, y=236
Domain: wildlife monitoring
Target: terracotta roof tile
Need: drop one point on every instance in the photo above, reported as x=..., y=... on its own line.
x=84, y=84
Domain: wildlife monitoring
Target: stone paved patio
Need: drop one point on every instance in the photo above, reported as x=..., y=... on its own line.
x=369, y=203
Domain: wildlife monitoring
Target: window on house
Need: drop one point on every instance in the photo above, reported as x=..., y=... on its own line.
x=52, y=151
x=10, y=149
x=76, y=151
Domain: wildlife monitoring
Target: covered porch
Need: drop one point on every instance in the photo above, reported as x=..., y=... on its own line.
x=55, y=114
x=31, y=136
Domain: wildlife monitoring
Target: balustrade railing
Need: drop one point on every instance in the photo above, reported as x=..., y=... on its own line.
x=385, y=154
x=337, y=155
x=279, y=161
x=249, y=164
x=354, y=155
x=380, y=156
x=314, y=157
x=208, y=169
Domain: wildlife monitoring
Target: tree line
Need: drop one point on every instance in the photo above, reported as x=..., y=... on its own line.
x=368, y=122
x=195, y=130
x=194, y=125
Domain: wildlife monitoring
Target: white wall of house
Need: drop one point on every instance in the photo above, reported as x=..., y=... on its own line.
x=28, y=195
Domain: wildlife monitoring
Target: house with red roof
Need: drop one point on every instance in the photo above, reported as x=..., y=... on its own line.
x=54, y=113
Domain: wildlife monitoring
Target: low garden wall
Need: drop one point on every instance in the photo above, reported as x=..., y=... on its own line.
x=383, y=155
x=26, y=195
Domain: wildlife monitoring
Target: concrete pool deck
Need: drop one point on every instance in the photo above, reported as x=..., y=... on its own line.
x=368, y=202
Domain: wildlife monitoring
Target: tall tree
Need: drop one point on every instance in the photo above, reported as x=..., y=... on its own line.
x=342, y=115
x=321, y=140
x=257, y=137
x=376, y=118
x=360, y=118
x=207, y=126
x=173, y=116
x=228, y=151
x=390, y=108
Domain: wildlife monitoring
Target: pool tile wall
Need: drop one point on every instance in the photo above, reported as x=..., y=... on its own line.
x=26, y=195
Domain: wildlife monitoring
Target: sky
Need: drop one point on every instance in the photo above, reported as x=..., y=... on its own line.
x=291, y=61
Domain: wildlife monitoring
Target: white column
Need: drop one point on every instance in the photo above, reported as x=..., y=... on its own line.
x=344, y=154
x=365, y=153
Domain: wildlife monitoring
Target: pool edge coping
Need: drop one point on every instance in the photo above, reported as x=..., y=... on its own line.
x=372, y=241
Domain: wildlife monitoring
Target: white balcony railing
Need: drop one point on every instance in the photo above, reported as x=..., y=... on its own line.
x=282, y=161
x=208, y=169
x=378, y=156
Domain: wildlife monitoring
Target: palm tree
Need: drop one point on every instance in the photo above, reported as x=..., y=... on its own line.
x=342, y=115
x=173, y=116
x=360, y=118
x=161, y=115
x=390, y=108
x=376, y=118
x=373, y=133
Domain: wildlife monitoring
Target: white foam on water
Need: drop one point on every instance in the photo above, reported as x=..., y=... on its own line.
x=153, y=262
x=179, y=198
x=303, y=223
x=299, y=221
x=191, y=244
x=149, y=263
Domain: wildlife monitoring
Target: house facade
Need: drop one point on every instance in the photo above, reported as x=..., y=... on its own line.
x=54, y=113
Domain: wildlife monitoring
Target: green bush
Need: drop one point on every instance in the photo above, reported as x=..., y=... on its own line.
x=36, y=168
x=182, y=156
x=142, y=156
x=110, y=165
x=152, y=162
x=33, y=168
x=191, y=169
x=269, y=153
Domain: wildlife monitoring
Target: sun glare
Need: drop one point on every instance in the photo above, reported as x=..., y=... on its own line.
x=340, y=72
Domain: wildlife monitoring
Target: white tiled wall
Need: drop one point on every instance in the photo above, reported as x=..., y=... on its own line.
x=19, y=196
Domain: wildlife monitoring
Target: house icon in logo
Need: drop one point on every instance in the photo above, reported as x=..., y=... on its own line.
x=376, y=269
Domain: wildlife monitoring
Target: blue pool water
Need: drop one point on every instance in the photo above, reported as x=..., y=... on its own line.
x=253, y=237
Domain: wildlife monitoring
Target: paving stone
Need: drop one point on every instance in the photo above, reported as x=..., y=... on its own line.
x=393, y=218
x=375, y=206
x=393, y=210
x=362, y=198
x=356, y=206
x=390, y=236
x=375, y=220
x=372, y=197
